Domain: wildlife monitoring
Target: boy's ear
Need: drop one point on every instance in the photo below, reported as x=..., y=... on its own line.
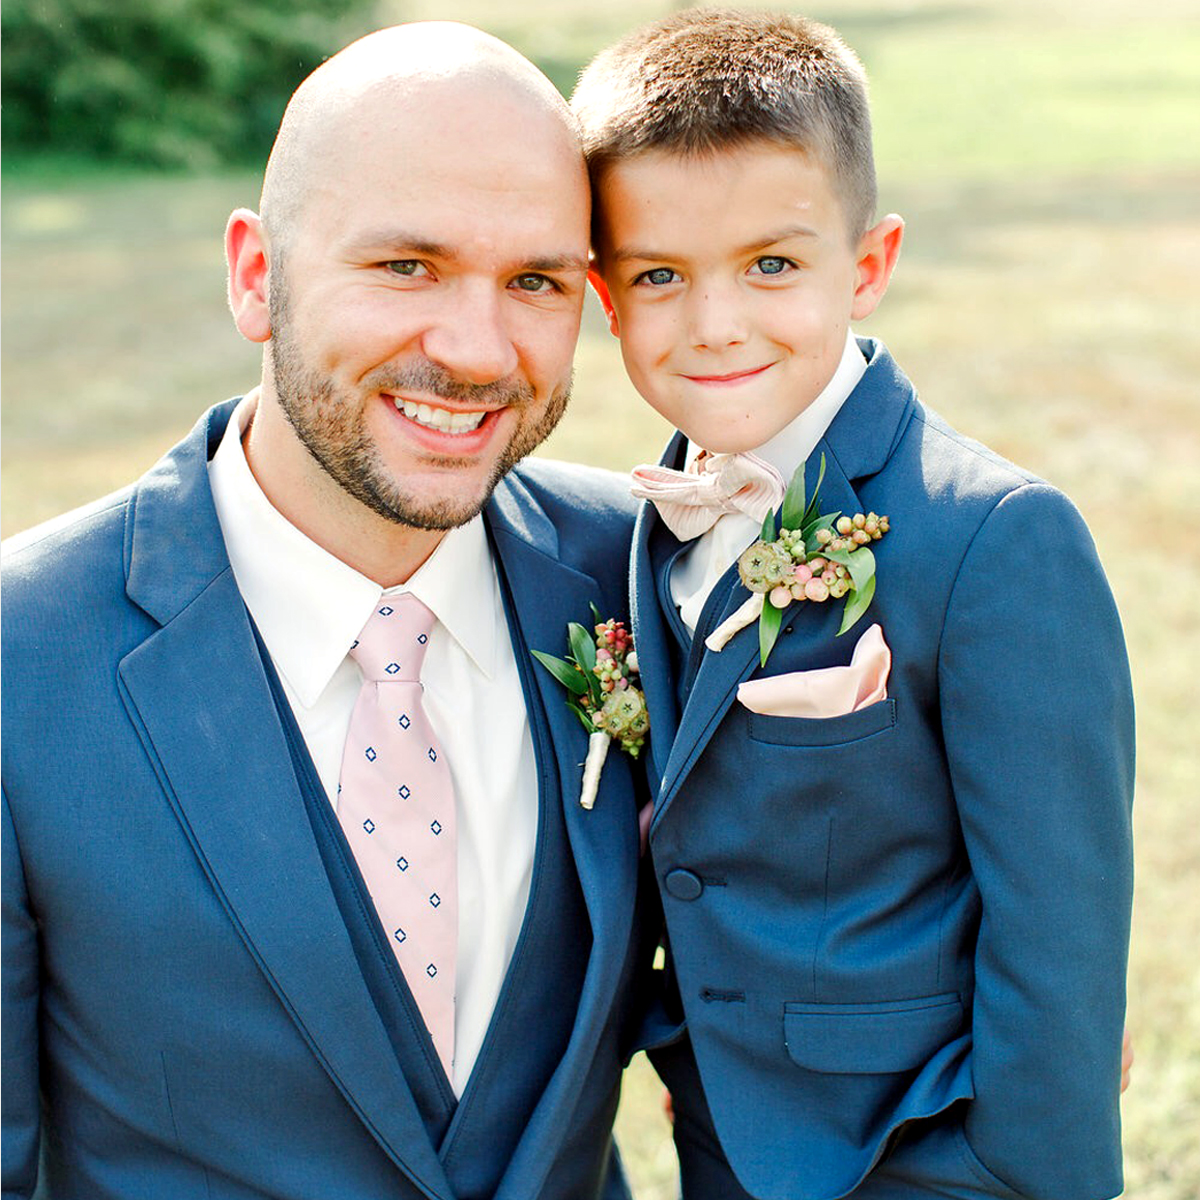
x=246, y=256
x=878, y=250
x=601, y=290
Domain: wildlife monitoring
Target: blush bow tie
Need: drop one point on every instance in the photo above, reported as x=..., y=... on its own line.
x=691, y=502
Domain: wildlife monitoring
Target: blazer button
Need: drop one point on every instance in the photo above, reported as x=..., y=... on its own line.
x=684, y=885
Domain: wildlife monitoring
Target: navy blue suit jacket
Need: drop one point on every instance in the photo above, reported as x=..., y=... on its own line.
x=922, y=907
x=179, y=985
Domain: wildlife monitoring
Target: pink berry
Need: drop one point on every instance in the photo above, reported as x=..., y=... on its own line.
x=780, y=596
x=816, y=589
x=803, y=573
x=797, y=590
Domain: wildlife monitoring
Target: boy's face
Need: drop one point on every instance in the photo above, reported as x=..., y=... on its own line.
x=731, y=280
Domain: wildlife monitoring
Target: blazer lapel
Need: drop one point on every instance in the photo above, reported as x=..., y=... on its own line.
x=652, y=637
x=546, y=594
x=240, y=804
x=857, y=445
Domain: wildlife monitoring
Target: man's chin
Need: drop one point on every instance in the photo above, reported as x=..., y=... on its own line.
x=426, y=510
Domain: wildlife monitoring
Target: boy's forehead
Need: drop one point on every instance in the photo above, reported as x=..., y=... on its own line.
x=746, y=185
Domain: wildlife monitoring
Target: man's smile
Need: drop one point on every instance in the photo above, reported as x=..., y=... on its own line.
x=442, y=419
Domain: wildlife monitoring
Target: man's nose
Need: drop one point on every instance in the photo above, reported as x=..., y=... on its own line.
x=715, y=318
x=470, y=338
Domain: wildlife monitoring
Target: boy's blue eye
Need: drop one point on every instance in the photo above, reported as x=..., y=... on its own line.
x=772, y=264
x=657, y=277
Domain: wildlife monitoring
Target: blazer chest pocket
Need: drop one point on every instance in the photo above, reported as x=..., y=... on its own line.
x=824, y=731
x=870, y=1039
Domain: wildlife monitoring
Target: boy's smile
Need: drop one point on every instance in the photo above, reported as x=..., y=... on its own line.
x=731, y=280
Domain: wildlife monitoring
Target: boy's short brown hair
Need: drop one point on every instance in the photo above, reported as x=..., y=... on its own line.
x=706, y=80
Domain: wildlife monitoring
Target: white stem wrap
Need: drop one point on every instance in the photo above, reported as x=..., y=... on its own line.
x=735, y=622
x=598, y=744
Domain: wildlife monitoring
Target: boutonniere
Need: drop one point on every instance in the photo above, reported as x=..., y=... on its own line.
x=601, y=677
x=812, y=556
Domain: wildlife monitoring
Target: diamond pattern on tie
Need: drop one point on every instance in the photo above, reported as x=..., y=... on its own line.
x=395, y=788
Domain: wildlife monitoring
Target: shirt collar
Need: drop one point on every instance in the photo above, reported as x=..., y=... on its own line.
x=795, y=441
x=309, y=606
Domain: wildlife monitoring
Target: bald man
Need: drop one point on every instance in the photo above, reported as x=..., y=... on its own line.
x=210, y=984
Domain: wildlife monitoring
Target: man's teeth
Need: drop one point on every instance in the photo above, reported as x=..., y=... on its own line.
x=440, y=418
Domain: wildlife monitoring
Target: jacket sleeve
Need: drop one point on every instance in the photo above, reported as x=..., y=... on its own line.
x=19, y=1153
x=1037, y=714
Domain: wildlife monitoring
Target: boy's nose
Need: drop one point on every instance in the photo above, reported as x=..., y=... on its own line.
x=470, y=338
x=716, y=320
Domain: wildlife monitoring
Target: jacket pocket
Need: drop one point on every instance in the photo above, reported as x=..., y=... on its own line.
x=870, y=1039
x=824, y=731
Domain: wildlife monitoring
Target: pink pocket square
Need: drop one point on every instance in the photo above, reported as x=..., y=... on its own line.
x=828, y=692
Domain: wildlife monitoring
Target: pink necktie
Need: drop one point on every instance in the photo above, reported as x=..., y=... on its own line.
x=396, y=806
x=691, y=502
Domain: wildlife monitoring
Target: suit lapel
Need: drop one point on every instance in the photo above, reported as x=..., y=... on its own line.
x=546, y=594
x=652, y=636
x=856, y=446
x=190, y=688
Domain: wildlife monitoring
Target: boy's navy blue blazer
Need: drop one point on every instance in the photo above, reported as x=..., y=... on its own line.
x=180, y=984
x=922, y=907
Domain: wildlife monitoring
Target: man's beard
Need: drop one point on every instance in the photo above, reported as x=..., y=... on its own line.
x=330, y=425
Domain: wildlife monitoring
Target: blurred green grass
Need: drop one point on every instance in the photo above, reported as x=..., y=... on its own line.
x=1045, y=158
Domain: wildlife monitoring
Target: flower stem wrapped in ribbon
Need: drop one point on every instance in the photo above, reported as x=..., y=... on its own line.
x=601, y=677
x=813, y=556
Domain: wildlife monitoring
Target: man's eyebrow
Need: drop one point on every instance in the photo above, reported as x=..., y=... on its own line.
x=393, y=243
x=398, y=241
x=558, y=262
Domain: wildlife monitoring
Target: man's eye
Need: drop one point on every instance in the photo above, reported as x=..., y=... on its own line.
x=657, y=277
x=771, y=264
x=409, y=267
x=533, y=283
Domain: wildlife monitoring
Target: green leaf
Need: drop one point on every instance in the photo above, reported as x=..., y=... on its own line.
x=596, y=617
x=793, y=500
x=811, y=510
x=768, y=529
x=824, y=521
x=584, y=719
x=583, y=647
x=862, y=567
x=768, y=629
x=567, y=673
x=857, y=603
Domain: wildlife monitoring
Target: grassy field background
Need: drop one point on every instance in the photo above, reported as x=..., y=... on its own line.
x=1044, y=155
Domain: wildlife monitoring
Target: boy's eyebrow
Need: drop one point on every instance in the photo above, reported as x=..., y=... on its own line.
x=780, y=235
x=396, y=241
x=634, y=253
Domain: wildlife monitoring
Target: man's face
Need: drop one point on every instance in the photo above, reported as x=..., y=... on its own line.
x=731, y=281
x=425, y=312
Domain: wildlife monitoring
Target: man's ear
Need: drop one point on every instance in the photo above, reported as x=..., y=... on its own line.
x=246, y=256
x=878, y=250
x=601, y=290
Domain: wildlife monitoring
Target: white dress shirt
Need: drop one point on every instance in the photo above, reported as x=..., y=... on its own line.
x=309, y=607
x=698, y=568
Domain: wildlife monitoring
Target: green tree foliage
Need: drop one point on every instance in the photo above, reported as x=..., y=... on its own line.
x=177, y=83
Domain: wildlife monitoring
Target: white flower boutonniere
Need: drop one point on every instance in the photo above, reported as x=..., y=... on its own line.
x=813, y=556
x=601, y=677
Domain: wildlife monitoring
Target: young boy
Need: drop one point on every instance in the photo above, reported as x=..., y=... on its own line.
x=897, y=920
